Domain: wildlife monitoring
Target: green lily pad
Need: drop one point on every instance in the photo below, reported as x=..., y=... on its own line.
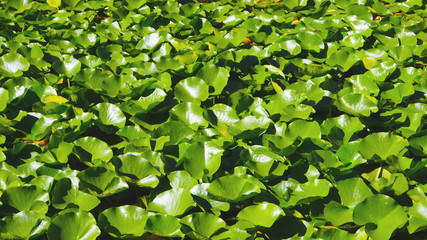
x=181, y=179
x=357, y=104
x=235, y=188
x=189, y=113
x=173, y=202
x=263, y=162
x=101, y=181
x=381, y=215
x=92, y=150
x=73, y=224
x=4, y=97
x=65, y=194
x=13, y=65
x=263, y=214
x=23, y=225
x=109, y=114
x=202, y=158
x=418, y=216
x=69, y=66
x=191, y=89
x=26, y=198
x=214, y=76
x=311, y=41
x=126, y=221
x=352, y=191
x=382, y=144
x=202, y=225
x=164, y=225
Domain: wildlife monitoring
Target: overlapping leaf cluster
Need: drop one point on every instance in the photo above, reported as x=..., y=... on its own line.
x=213, y=120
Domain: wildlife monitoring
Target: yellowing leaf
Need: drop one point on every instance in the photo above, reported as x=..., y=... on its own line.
x=276, y=87
x=369, y=62
x=55, y=98
x=54, y=3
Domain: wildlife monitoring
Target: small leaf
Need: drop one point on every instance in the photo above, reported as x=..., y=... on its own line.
x=56, y=99
x=54, y=3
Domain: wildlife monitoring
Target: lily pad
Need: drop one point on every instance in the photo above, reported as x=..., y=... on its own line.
x=263, y=214
x=202, y=225
x=73, y=224
x=235, y=188
x=126, y=221
x=173, y=202
x=381, y=215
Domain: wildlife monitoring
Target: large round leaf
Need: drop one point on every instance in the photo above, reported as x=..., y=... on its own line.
x=202, y=158
x=123, y=222
x=418, y=216
x=352, y=191
x=263, y=214
x=191, y=89
x=73, y=224
x=357, y=104
x=181, y=179
x=69, y=66
x=381, y=215
x=164, y=225
x=13, y=65
x=173, y=202
x=101, y=180
x=311, y=41
x=65, y=194
x=214, y=76
x=263, y=162
x=190, y=113
x=8, y=180
x=235, y=188
x=382, y=144
x=91, y=149
x=110, y=114
x=26, y=198
x=202, y=225
x=135, y=166
x=23, y=225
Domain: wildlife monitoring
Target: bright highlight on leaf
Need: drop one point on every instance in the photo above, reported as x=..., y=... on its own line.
x=54, y=3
